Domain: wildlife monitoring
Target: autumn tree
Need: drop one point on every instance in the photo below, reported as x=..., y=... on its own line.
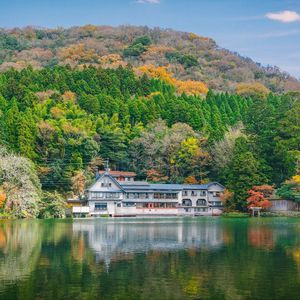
x=257, y=199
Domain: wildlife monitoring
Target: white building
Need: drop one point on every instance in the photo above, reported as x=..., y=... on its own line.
x=126, y=197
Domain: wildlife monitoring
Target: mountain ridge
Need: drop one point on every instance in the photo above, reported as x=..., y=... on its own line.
x=186, y=55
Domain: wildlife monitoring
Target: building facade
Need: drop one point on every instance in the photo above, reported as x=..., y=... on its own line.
x=126, y=197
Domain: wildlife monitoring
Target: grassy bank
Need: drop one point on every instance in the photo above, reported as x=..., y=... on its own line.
x=235, y=214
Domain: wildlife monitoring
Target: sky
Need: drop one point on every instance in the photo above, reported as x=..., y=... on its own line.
x=268, y=31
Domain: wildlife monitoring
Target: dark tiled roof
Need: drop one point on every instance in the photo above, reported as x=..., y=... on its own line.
x=162, y=186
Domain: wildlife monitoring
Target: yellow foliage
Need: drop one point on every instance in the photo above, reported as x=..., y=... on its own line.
x=69, y=96
x=78, y=52
x=252, y=89
x=57, y=113
x=69, y=129
x=191, y=180
x=193, y=36
x=89, y=27
x=156, y=50
x=189, y=87
x=151, y=95
x=112, y=61
x=296, y=179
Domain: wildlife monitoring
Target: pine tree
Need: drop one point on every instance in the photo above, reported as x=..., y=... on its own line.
x=242, y=173
x=27, y=134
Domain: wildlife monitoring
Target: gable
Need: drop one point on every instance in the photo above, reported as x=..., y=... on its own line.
x=105, y=183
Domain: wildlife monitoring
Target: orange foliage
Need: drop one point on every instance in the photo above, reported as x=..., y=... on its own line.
x=155, y=176
x=78, y=53
x=191, y=180
x=189, y=87
x=2, y=199
x=257, y=199
x=2, y=238
x=265, y=189
x=226, y=196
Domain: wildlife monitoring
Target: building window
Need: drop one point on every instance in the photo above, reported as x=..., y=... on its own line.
x=202, y=193
x=129, y=204
x=100, y=206
x=201, y=202
x=184, y=193
x=201, y=209
x=187, y=202
x=194, y=193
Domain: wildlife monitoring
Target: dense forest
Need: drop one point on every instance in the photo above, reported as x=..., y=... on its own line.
x=58, y=124
x=187, y=55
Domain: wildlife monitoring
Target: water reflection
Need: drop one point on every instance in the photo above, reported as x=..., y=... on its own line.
x=20, y=245
x=171, y=258
x=112, y=238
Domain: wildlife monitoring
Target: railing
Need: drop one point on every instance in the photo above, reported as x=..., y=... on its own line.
x=80, y=209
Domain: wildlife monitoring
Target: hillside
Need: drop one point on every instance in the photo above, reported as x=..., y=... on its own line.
x=185, y=55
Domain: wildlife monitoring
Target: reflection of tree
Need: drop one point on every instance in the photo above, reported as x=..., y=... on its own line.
x=257, y=260
x=261, y=237
x=20, y=246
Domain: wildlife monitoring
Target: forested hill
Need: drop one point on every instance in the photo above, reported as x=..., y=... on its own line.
x=186, y=56
x=64, y=122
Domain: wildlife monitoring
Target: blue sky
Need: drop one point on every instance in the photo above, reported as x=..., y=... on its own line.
x=268, y=31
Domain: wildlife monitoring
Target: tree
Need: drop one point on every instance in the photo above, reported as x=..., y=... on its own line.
x=242, y=172
x=257, y=199
x=227, y=199
x=27, y=134
x=78, y=183
x=290, y=189
x=252, y=90
x=21, y=185
x=52, y=205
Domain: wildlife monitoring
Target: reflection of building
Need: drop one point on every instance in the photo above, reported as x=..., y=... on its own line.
x=117, y=194
x=122, y=237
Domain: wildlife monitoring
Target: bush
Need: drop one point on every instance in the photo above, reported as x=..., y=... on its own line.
x=138, y=46
x=187, y=60
x=52, y=205
x=134, y=50
x=144, y=40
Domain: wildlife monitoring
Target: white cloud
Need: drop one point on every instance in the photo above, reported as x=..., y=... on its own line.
x=148, y=1
x=286, y=16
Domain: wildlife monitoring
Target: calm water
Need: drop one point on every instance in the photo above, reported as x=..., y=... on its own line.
x=174, y=258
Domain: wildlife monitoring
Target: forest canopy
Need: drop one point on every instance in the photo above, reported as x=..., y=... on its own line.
x=67, y=121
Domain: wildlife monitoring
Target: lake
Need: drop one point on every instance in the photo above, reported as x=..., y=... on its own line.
x=163, y=258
